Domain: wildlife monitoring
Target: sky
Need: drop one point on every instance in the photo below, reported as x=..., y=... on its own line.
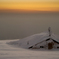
x=15, y=25
x=29, y=5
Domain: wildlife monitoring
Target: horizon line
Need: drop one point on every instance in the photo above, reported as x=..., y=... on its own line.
x=26, y=11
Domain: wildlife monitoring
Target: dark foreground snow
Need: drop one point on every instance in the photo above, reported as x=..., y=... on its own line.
x=12, y=52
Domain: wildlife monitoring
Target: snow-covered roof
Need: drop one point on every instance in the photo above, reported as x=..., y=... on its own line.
x=36, y=38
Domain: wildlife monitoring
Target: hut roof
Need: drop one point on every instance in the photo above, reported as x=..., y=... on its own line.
x=36, y=38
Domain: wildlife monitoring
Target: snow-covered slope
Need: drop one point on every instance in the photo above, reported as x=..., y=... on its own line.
x=11, y=52
x=32, y=40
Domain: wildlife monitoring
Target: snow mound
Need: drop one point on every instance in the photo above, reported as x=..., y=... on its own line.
x=32, y=40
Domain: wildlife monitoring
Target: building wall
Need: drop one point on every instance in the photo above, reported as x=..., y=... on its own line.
x=44, y=44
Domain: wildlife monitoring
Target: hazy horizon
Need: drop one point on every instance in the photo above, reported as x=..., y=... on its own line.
x=20, y=25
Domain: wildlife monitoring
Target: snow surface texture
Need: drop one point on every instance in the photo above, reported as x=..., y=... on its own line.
x=34, y=39
x=13, y=52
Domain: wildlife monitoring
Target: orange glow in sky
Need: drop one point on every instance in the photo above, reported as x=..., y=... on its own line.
x=29, y=5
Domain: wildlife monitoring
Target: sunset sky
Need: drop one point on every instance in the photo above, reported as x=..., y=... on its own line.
x=29, y=5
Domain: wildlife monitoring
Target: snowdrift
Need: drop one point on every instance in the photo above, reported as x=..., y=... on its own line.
x=32, y=40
